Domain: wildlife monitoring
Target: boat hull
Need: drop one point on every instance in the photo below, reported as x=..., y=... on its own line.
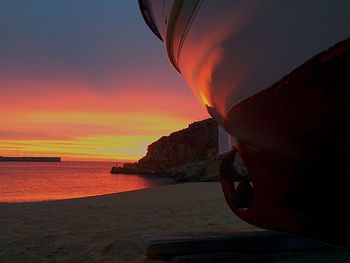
x=292, y=135
x=294, y=139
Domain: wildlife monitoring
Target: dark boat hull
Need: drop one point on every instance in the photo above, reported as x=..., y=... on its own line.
x=295, y=140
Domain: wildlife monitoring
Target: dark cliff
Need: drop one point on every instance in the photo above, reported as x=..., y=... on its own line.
x=189, y=154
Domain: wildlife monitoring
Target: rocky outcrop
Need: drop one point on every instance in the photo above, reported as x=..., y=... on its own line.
x=187, y=155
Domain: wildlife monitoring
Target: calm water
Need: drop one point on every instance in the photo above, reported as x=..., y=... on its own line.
x=23, y=182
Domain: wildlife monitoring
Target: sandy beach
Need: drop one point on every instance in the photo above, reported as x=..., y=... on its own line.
x=111, y=228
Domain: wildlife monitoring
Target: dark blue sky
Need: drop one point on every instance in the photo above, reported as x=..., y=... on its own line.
x=87, y=73
x=104, y=41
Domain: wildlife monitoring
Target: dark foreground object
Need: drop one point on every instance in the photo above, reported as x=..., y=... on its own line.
x=261, y=246
x=30, y=159
x=294, y=138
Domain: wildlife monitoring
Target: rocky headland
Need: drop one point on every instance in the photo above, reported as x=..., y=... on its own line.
x=186, y=155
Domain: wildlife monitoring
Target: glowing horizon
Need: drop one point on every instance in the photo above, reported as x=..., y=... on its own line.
x=86, y=81
x=77, y=121
x=113, y=128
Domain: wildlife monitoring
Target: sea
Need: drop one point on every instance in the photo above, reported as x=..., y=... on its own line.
x=43, y=181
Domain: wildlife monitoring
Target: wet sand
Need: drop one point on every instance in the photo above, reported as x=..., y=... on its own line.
x=111, y=228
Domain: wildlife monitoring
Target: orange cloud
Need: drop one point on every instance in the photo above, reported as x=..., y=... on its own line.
x=75, y=120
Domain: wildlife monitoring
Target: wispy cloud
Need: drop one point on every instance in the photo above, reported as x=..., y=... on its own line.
x=76, y=81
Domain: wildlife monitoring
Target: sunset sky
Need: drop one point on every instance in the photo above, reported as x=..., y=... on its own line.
x=85, y=80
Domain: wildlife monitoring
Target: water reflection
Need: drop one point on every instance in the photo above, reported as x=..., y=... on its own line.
x=23, y=182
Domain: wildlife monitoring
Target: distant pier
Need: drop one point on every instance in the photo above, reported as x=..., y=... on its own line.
x=30, y=159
